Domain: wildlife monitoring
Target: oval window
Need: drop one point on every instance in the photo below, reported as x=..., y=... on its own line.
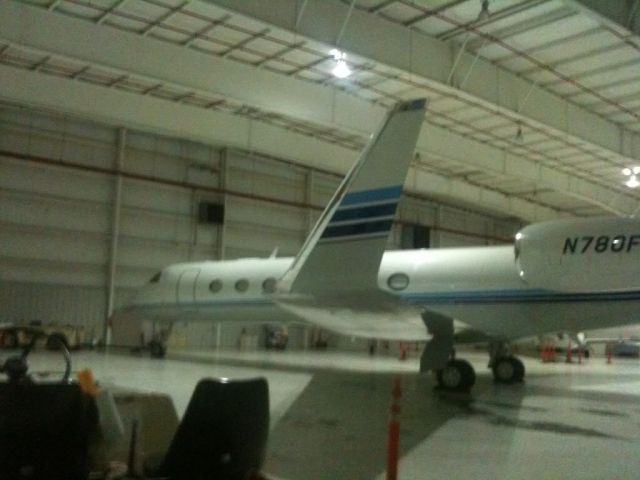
x=242, y=285
x=269, y=285
x=398, y=281
x=215, y=286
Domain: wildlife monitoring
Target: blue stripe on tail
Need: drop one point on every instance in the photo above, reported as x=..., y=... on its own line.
x=364, y=214
x=361, y=213
x=370, y=196
x=350, y=230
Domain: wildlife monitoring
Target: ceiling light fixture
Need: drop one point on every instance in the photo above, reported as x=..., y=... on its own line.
x=632, y=182
x=519, y=137
x=341, y=70
x=484, y=11
x=632, y=173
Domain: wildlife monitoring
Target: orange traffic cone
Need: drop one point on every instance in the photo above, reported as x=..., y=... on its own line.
x=569, y=354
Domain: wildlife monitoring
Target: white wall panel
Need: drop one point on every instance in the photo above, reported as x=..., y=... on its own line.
x=57, y=245
x=150, y=255
x=453, y=240
x=156, y=198
x=51, y=272
x=55, y=181
x=53, y=303
x=32, y=209
x=160, y=226
x=288, y=220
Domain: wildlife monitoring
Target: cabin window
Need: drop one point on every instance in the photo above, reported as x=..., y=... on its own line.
x=242, y=285
x=215, y=286
x=155, y=278
x=398, y=281
x=269, y=285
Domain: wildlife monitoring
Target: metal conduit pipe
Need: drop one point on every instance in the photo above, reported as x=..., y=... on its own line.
x=115, y=232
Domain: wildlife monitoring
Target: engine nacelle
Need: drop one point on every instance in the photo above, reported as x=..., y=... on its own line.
x=593, y=254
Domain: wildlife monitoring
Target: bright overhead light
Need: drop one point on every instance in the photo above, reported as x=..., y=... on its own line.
x=484, y=11
x=632, y=182
x=632, y=173
x=341, y=70
x=519, y=137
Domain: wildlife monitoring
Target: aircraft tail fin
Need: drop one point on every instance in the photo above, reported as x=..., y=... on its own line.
x=344, y=249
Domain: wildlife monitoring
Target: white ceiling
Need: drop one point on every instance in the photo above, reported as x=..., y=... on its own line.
x=534, y=110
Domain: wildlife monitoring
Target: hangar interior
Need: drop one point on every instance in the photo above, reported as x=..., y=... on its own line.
x=135, y=113
x=59, y=199
x=140, y=133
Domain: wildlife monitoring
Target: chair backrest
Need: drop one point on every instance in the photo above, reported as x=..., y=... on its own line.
x=223, y=433
x=44, y=431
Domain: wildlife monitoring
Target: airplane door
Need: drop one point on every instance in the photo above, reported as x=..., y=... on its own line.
x=186, y=289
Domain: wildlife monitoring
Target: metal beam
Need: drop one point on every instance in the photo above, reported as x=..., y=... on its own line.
x=272, y=92
x=117, y=107
x=622, y=14
x=67, y=37
x=433, y=61
x=115, y=234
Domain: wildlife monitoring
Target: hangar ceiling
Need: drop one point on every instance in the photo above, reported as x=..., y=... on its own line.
x=535, y=105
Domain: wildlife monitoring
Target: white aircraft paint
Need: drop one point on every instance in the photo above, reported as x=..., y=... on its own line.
x=568, y=275
x=481, y=287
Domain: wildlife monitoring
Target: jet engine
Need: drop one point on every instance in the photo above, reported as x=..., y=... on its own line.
x=592, y=254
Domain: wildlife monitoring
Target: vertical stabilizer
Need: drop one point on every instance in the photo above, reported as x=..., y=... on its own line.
x=344, y=250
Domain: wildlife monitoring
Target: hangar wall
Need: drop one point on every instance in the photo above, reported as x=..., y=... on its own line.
x=58, y=191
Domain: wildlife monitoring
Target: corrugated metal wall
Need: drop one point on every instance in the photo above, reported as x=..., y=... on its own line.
x=57, y=193
x=49, y=303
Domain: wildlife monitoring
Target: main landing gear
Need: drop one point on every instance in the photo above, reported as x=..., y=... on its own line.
x=157, y=348
x=456, y=376
x=459, y=376
x=506, y=368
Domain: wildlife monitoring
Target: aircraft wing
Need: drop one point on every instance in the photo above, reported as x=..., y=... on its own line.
x=374, y=314
x=369, y=314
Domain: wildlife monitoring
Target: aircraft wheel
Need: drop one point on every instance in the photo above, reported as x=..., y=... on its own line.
x=508, y=370
x=157, y=349
x=457, y=375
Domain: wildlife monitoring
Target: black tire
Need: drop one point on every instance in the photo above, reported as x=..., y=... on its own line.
x=157, y=349
x=520, y=370
x=456, y=376
x=508, y=370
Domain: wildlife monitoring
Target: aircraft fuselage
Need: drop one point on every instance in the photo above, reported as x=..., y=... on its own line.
x=479, y=286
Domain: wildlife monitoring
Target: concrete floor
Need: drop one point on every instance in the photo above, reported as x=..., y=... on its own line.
x=330, y=413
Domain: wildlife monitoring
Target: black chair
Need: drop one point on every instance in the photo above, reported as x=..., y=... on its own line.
x=44, y=431
x=223, y=433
